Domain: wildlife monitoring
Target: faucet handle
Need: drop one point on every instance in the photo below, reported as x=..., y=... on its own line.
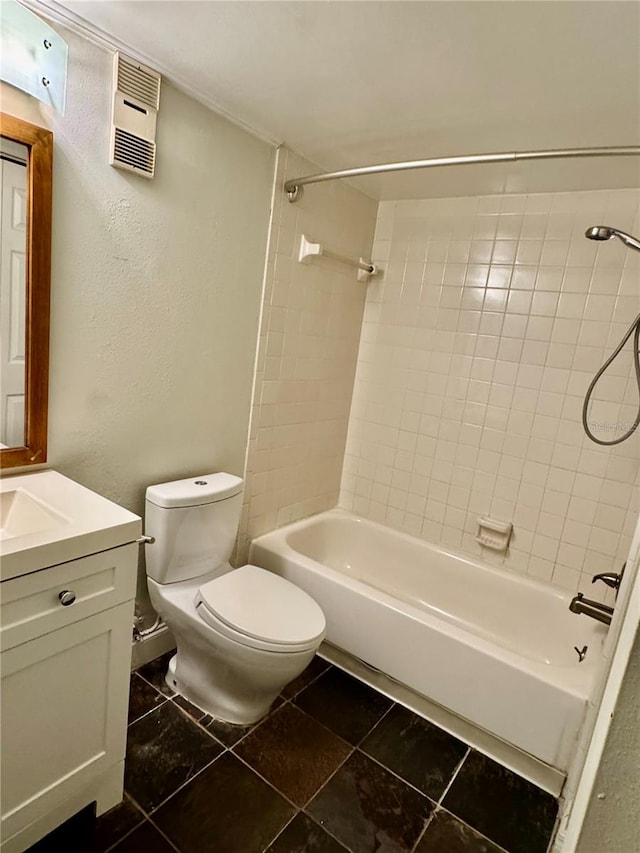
x=611, y=579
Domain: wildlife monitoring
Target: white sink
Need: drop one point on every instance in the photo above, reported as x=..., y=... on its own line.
x=47, y=519
x=21, y=513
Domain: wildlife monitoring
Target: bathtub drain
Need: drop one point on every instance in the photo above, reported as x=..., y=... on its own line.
x=582, y=653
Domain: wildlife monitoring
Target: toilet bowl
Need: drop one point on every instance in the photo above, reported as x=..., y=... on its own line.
x=241, y=634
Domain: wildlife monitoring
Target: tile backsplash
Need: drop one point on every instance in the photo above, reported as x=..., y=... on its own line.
x=309, y=335
x=478, y=344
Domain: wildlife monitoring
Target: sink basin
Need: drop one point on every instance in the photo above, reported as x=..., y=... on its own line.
x=47, y=519
x=21, y=514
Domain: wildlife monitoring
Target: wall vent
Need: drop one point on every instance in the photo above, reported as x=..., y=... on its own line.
x=134, y=152
x=136, y=101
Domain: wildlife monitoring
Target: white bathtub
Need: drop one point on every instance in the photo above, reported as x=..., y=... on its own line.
x=492, y=647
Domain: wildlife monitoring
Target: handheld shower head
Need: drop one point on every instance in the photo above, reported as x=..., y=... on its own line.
x=604, y=232
x=599, y=232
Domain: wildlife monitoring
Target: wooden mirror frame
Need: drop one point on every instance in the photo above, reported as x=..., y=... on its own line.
x=39, y=143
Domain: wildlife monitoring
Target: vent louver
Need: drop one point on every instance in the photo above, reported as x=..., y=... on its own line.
x=139, y=82
x=132, y=151
x=136, y=99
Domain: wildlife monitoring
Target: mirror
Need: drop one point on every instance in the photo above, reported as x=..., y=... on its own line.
x=13, y=307
x=26, y=156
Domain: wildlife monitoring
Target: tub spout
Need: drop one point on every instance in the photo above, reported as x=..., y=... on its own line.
x=595, y=609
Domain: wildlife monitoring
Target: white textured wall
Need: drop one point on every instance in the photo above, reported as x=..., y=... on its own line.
x=155, y=289
x=612, y=824
x=477, y=348
x=309, y=334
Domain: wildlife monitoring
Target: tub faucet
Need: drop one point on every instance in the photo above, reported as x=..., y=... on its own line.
x=595, y=609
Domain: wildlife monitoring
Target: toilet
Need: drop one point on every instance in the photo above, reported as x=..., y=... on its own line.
x=241, y=634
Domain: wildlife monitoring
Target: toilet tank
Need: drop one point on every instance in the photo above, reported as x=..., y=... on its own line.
x=194, y=523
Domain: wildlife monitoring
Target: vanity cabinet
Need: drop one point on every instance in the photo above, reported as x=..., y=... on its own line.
x=65, y=655
x=64, y=690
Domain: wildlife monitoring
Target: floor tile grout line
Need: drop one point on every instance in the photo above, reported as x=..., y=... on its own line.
x=150, y=711
x=330, y=777
x=440, y=805
x=136, y=804
x=351, y=746
x=329, y=832
x=264, y=779
x=425, y=827
x=282, y=794
x=180, y=787
x=376, y=724
x=198, y=723
x=322, y=725
x=277, y=836
x=324, y=829
x=313, y=681
x=477, y=831
x=311, y=716
x=164, y=835
x=393, y=772
x=353, y=751
x=254, y=726
x=397, y=775
x=127, y=833
x=302, y=808
x=184, y=712
x=454, y=775
x=157, y=689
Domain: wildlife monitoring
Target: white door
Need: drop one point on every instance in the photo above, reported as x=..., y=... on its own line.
x=13, y=222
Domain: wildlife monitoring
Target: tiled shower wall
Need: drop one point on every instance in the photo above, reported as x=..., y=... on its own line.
x=477, y=347
x=309, y=335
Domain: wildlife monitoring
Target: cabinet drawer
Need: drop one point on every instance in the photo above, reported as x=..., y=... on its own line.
x=30, y=605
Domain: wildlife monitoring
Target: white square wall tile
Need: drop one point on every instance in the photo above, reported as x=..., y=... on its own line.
x=517, y=316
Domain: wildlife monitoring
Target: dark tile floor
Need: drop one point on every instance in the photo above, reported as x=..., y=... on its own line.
x=334, y=767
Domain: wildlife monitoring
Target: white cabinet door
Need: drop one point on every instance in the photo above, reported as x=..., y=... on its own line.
x=63, y=713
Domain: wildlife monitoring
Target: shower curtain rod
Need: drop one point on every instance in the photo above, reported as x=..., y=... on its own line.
x=293, y=186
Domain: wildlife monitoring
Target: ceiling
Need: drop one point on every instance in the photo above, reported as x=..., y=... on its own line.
x=354, y=83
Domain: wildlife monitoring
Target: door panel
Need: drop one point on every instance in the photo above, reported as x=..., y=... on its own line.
x=63, y=713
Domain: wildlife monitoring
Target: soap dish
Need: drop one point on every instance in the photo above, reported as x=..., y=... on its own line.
x=493, y=533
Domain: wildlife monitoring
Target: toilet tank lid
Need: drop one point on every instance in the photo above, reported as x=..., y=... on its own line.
x=194, y=491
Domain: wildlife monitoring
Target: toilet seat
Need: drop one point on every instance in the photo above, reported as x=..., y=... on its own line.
x=259, y=609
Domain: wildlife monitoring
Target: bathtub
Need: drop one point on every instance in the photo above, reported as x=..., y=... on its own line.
x=491, y=647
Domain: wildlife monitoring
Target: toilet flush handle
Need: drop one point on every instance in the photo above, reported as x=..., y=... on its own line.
x=146, y=540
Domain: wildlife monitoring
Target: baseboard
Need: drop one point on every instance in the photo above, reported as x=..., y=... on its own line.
x=151, y=647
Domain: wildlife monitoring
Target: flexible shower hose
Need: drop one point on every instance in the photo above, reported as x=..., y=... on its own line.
x=634, y=329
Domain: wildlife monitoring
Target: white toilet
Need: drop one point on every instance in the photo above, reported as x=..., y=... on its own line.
x=241, y=634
